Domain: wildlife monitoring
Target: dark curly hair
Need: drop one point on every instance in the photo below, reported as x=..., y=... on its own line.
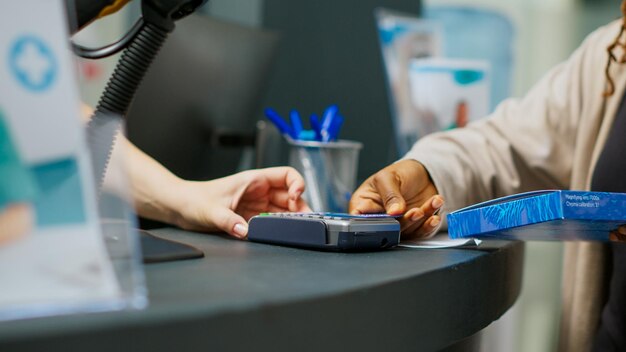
x=610, y=89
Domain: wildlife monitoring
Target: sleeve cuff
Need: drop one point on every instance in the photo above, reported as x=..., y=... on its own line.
x=16, y=184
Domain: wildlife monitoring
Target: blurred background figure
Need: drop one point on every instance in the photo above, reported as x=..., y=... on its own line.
x=17, y=190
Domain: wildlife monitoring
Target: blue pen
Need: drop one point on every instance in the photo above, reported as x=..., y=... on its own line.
x=315, y=126
x=327, y=121
x=296, y=123
x=333, y=130
x=282, y=125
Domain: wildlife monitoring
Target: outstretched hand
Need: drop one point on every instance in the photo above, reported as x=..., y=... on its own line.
x=402, y=188
x=618, y=235
x=228, y=203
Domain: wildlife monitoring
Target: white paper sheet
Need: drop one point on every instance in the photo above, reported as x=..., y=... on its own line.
x=441, y=241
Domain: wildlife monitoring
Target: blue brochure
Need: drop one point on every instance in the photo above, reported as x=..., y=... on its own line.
x=552, y=215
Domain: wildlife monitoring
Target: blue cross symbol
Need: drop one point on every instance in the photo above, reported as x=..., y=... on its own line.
x=32, y=63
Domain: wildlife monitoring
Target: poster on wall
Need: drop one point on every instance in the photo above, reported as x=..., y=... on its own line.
x=448, y=93
x=403, y=38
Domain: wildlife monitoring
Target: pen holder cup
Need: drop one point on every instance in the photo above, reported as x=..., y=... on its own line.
x=329, y=170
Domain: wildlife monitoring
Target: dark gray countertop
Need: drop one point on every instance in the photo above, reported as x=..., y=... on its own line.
x=244, y=296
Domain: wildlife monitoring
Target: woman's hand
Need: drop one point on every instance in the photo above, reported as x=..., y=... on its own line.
x=402, y=188
x=223, y=204
x=228, y=203
x=618, y=235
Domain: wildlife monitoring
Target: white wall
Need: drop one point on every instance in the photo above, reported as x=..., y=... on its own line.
x=99, y=33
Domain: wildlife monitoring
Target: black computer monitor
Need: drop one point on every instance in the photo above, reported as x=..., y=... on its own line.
x=206, y=83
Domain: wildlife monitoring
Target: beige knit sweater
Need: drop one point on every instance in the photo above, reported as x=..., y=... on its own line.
x=550, y=139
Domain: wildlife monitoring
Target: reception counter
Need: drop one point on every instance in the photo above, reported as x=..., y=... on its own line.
x=245, y=296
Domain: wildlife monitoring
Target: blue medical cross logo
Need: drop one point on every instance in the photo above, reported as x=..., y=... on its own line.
x=32, y=63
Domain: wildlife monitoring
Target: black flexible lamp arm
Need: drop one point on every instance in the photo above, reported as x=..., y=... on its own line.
x=158, y=17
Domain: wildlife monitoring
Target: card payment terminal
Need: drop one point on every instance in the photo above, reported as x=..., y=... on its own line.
x=326, y=231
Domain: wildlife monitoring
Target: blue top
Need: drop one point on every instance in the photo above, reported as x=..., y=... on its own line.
x=16, y=181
